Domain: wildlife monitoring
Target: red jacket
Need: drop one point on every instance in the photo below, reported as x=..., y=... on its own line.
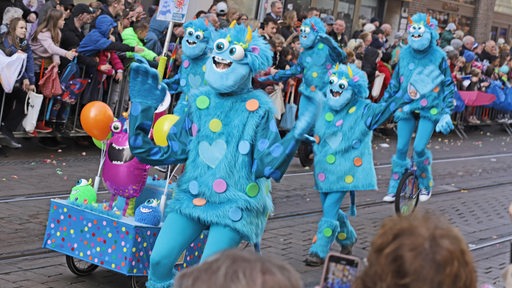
x=109, y=57
x=387, y=71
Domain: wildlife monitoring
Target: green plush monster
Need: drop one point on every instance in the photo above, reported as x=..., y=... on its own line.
x=83, y=192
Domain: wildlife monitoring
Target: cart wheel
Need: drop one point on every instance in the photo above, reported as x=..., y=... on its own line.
x=139, y=281
x=80, y=267
x=305, y=153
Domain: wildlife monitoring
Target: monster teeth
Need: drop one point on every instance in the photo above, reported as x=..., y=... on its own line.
x=119, y=147
x=145, y=210
x=117, y=162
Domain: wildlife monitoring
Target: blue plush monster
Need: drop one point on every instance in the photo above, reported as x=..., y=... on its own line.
x=343, y=154
x=149, y=213
x=230, y=143
x=319, y=55
x=423, y=74
x=196, y=48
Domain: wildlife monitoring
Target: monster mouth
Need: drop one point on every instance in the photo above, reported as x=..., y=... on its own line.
x=145, y=210
x=335, y=94
x=119, y=155
x=416, y=37
x=221, y=64
x=304, y=36
x=191, y=43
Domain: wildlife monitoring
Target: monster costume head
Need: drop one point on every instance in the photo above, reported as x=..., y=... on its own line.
x=237, y=55
x=149, y=213
x=196, y=41
x=83, y=192
x=309, y=31
x=422, y=30
x=345, y=83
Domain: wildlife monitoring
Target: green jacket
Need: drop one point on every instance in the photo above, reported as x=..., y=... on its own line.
x=130, y=38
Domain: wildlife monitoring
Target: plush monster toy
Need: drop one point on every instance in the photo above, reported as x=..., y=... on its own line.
x=424, y=75
x=230, y=143
x=149, y=213
x=83, y=192
x=196, y=48
x=343, y=154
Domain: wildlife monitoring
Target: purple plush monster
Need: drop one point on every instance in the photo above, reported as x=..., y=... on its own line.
x=122, y=173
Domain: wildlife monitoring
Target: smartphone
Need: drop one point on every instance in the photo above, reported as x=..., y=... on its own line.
x=340, y=271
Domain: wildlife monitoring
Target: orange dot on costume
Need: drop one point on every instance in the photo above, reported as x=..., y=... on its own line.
x=312, y=88
x=436, y=89
x=423, y=175
x=252, y=105
x=215, y=125
x=314, y=239
x=317, y=139
x=358, y=161
x=199, y=202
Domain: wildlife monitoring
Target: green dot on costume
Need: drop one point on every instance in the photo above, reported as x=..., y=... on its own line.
x=320, y=46
x=202, y=102
x=235, y=214
x=252, y=189
x=330, y=159
x=433, y=111
x=327, y=232
x=215, y=125
x=329, y=116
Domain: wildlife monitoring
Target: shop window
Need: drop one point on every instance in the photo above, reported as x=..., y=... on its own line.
x=494, y=33
x=443, y=18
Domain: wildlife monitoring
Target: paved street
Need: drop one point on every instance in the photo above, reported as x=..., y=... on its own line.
x=472, y=190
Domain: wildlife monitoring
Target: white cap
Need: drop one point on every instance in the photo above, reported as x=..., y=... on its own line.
x=451, y=27
x=222, y=8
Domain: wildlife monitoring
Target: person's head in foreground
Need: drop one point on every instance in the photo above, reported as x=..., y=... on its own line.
x=418, y=251
x=239, y=269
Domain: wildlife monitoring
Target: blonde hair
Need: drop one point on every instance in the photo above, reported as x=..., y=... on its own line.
x=51, y=24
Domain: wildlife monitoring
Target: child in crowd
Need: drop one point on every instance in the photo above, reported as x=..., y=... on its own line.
x=134, y=36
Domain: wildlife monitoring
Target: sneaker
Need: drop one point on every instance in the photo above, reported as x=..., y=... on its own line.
x=40, y=127
x=390, y=198
x=313, y=260
x=425, y=194
x=472, y=119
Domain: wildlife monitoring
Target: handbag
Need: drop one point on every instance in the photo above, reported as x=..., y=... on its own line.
x=32, y=111
x=50, y=83
x=12, y=69
x=288, y=118
x=71, y=72
x=278, y=102
x=377, y=85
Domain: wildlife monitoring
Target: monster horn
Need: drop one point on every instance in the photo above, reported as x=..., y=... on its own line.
x=232, y=25
x=337, y=66
x=206, y=21
x=428, y=20
x=313, y=26
x=409, y=20
x=349, y=71
x=248, y=37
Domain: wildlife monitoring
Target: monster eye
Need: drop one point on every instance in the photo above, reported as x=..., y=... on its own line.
x=116, y=126
x=236, y=52
x=307, y=30
x=221, y=45
x=199, y=35
x=333, y=80
x=151, y=202
x=421, y=29
x=412, y=28
x=81, y=182
x=342, y=84
x=190, y=32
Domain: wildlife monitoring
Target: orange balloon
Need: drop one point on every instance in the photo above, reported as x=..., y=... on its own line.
x=96, y=118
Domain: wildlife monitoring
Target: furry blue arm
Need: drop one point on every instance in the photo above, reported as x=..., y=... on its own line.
x=144, y=79
x=173, y=84
x=449, y=89
x=283, y=75
x=379, y=112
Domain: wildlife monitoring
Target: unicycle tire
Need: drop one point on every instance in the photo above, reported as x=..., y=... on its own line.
x=305, y=153
x=407, y=194
x=80, y=267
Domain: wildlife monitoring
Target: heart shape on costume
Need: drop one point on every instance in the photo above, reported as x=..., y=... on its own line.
x=212, y=154
x=334, y=139
x=194, y=81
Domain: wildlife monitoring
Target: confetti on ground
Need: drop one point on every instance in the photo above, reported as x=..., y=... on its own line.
x=493, y=159
x=59, y=151
x=384, y=145
x=14, y=177
x=83, y=153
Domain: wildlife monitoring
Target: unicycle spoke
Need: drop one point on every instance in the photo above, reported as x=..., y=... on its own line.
x=407, y=194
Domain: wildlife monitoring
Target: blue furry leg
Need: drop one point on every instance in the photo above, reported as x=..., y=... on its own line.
x=176, y=234
x=327, y=231
x=398, y=167
x=347, y=236
x=220, y=238
x=424, y=170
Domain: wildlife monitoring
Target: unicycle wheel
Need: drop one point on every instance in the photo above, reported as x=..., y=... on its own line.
x=305, y=153
x=407, y=194
x=80, y=267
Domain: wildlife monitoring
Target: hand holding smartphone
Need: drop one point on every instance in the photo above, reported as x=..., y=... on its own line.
x=340, y=271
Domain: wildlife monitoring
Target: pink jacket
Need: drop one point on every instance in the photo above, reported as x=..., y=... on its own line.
x=43, y=47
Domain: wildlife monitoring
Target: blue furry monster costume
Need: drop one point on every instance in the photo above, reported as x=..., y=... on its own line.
x=230, y=143
x=424, y=75
x=196, y=48
x=319, y=54
x=343, y=154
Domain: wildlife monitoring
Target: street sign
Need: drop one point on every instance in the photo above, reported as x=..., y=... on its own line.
x=173, y=10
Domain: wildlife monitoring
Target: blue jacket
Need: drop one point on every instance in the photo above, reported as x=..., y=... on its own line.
x=98, y=39
x=9, y=50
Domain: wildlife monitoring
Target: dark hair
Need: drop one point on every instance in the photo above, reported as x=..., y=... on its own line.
x=386, y=57
x=200, y=13
x=269, y=19
x=140, y=26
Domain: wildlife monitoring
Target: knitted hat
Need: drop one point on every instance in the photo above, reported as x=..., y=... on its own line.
x=469, y=56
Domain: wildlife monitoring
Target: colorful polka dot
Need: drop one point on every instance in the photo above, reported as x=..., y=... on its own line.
x=321, y=177
x=186, y=63
x=329, y=116
x=204, y=68
x=215, y=125
x=320, y=46
x=220, y=186
x=312, y=88
x=395, y=176
x=401, y=79
x=183, y=82
x=252, y=105
x=342, y=236
x=411, y=66
x=202, y=102
x=252, y=189
x=330, y=159
x=356, y=144
x=314, y=74
x=194, y=129
x=244, y=147
x=263, y=144
x=349, y=179
x=339, y=123
x=327, y=232
x=276, y=149
x=358, y=161
x=423, y=175
x=433, y=111
x=317, y=139
x=235, y=214
x=431, y=183
x=423, y=102
x=199, y=202
x=352, y=110
x=436, y=89
x=193, y=187
x=314, y=239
